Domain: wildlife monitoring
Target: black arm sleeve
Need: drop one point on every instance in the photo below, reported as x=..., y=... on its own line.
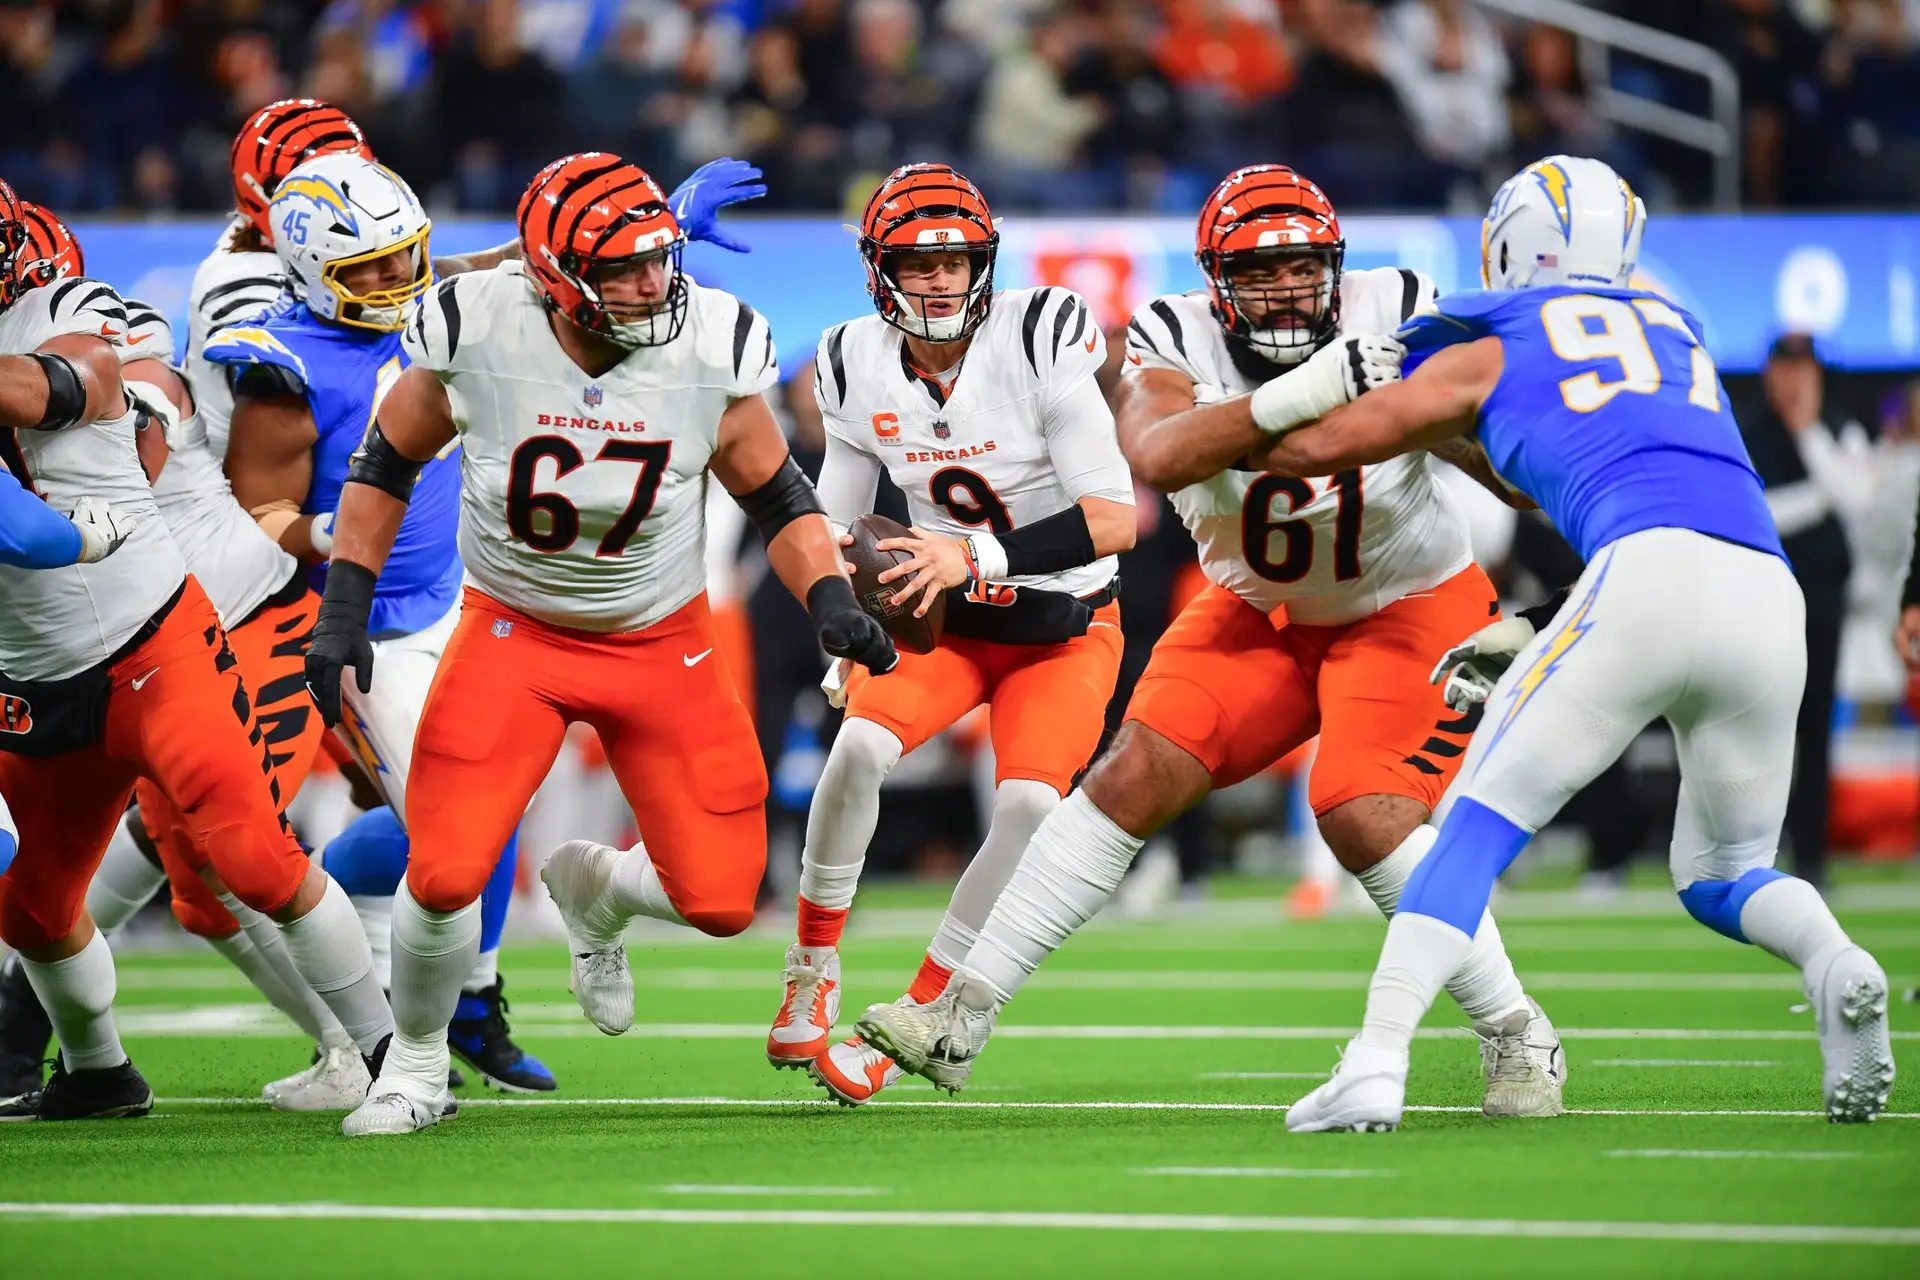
x=781, y=500
x=1910, y=594
x=1062, y=541
x=264, y=381
x=66, y=392
x=1541, y=615
x=378, y=463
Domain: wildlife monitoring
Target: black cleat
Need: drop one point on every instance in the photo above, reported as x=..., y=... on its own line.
x=108, y=1093
x=479, y=1037
x=25, y=1031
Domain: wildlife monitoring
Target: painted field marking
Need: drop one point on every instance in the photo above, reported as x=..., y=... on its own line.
x=1238, y=1171
x=740, y=1189
x=1686, y=1062
x=1264, y=1075
x=1690, y=1232
x=1671, y=1153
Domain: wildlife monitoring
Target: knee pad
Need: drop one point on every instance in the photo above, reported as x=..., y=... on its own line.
x=201, y=914
x=369, y=857
x=261, y=871
x=719, y=921
x=446, y=884
x=864, y=751
x=1717, y=903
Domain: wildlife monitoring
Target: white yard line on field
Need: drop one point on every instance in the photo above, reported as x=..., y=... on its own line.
x=1263, y=1075
x=1671, y=1153
x=1241, y=1171
x=828, y=1105
x=1679, y=1232
x=1686, y=1062
x=738, y=1189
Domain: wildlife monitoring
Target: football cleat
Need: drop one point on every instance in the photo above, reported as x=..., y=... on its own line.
x=389, y=1111
x=939, y=1040
x=25, y=1031
x=577, y=876
x=337, y=1081
x=853, y=1071
x=1366, y=1094
x=479, y=1037
x=809, y=1009
x=1850, y=1009
x=108, y=1093
x=1525, y=1066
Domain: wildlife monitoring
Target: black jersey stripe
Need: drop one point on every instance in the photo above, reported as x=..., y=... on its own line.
x=1409, y=294
x=450, y=312
x=834, y=341
x=1031, y=323
x=742, y=327
x=1162, y=308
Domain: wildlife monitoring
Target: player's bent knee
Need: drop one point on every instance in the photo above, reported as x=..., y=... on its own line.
x=722, y=921
x=445, y=885
x=1144, y=780
x=1717, y=903
x=1364, y=830
x=203, y=919
x=263, y=872
x=1024, y=801
x=864, y=751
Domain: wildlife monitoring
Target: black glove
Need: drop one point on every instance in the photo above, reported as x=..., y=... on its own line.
x=846, y=630
x=340, y=637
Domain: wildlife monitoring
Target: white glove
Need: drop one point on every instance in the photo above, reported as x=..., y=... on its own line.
x=102, y=529
x=152, y=399
x=834, y=685
x=1472, y=667
x=321, y=534
x=1345, y=369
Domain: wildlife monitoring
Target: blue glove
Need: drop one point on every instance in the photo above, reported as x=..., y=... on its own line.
x=696, y=203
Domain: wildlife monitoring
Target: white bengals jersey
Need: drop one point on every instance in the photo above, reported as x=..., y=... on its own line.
x=1333, y=549
x=228, y=288
x=59, y=622
x=583, y=499
x=237, y=564
x=1023, y=434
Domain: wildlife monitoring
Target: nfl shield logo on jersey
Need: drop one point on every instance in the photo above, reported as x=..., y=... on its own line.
x=592, y=395
x=502, y=628
x=941, y=431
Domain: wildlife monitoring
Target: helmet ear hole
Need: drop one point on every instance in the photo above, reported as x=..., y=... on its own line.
x=1503, y=257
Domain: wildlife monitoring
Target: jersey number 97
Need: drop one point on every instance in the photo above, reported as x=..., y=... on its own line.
x=1584, y=327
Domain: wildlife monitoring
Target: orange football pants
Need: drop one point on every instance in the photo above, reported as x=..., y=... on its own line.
x=677, y=737
x=1237, y=693
x=272, y=649
x=178, y=714
x=1048, y=701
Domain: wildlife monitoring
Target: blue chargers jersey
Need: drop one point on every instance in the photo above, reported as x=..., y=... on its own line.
x=344, y=373
x=1609, y=413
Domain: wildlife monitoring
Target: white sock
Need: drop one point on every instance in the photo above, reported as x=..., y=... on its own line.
x=77, y=994
x=1790, y=919
x=1486, y=986
x=270, y=946
x=125, y=881
x=331, y=955
x=376, y=921
x=243, y=955
x=1020, y=805
x=433, y=952
x=1072, y=866
x=635, y=890
x=486, y=972
x=1419, y=953
x=846, y=807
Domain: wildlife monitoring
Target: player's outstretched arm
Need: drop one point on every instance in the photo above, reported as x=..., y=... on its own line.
x=480, y=260
x=1440, y=402
x=1170, y=442
x=752, y=460
x=67, y=381
x=270, y=462
x=415, y=422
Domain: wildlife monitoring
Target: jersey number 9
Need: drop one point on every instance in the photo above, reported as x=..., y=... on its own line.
x=1583, y=327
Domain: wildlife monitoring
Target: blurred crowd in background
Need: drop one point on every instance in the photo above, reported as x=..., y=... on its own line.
x=129, y=105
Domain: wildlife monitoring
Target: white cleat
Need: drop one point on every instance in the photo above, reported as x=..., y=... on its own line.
x=1367, y=1093
x=1525, y=1066
x=938, y=1040
x=809, y=1009
x=577, y=876
x=853, y=1071
x=388, y=1111
x=1850, y=1008
x=337, y=1082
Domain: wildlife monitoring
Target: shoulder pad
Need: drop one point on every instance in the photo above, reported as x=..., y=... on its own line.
x=265, y=381
x=1458, y=317
x=253, y=344
x=1160, y=334
x=1054, y=327
x=149, y=335
x=830, y=369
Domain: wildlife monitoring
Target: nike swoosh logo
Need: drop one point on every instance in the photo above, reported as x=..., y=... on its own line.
x=686, y=199
x=694, y=660
x=1133, y=357
x=135, y=339
x=140, y=680
x=108, y=332
x=1090, y=341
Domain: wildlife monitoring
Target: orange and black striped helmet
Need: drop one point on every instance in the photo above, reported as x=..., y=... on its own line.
x=13, y=246
x=51, y=253
x=928, y=208
x=275, y=140
x=1258, y=216
x=589, y=213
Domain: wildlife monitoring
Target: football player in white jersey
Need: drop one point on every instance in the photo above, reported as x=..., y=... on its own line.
x=983, y=408
x=593, y=387
x=116, y=671
x=1330, y=601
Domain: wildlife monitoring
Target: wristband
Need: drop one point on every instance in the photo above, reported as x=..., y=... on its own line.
x=349, y=594
x=986, y=557
x=320, y=534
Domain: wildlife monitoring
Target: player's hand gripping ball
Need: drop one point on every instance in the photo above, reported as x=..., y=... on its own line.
x=868, y=562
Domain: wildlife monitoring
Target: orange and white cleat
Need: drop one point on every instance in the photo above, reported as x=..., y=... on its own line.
x=853, y=1071
x=805, y=1021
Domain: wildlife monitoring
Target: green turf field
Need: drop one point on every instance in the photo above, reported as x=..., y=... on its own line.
x=1126, y=1121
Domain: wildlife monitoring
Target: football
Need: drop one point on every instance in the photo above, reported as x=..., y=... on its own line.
x=915, y=635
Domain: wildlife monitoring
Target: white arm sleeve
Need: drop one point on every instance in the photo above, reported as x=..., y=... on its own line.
x=1084, y=448
x=849, y=481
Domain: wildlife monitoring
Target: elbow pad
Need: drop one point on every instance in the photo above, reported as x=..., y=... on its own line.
x=66, y=392
x=781, y=500
x=378, y=463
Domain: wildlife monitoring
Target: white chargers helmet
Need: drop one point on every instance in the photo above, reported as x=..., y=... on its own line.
x=336, y=212
x=1562, y=220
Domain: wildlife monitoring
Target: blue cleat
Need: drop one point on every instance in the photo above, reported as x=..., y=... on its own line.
x=479, y=1037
